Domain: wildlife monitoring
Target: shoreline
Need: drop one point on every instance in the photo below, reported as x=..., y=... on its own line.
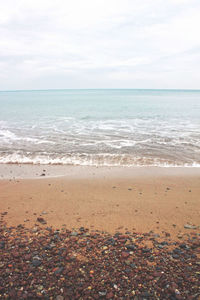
x=38, y=171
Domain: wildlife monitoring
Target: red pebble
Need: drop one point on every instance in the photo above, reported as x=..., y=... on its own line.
x=125, y=254
x=109, y=295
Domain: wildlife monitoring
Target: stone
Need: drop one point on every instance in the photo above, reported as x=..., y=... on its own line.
x=59, y=297
x=53, y=264
x=146, y=295
x=58, y=270
x=2, y=245
x=110, y=295
x=131, y=247
x=146, y=250
x=102, y=293
x=74, y=233
x=184, y=246
x=125, y=254
x=36, y=262
x=41, y=220
x=188, y=226
x=175, y=256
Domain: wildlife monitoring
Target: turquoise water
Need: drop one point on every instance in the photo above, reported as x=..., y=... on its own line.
x=101, y=127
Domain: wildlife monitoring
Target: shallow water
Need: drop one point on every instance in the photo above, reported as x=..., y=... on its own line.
x=101, y=127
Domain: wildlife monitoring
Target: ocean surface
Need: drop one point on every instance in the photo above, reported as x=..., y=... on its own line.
x=101, y=127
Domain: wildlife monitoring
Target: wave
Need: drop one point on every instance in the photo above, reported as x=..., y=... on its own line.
x=84, y=159
x=9, y=136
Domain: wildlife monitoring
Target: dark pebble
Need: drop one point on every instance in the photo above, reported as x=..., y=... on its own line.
x=175, y=256
x=61, y=264
x=131, y=247
x=58, y=271
x=36, y=262
x=146, y=250
x=2, y=245
x=41, y=220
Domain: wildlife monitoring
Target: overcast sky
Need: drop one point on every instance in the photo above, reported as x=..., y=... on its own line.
x=99, y=44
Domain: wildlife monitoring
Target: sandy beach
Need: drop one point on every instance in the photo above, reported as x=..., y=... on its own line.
x=108, y=199
x=99, y=233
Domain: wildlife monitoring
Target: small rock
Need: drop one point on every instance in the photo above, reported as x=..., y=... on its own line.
x=127, y=262
x=188, y=226
x=105, y=248
x=109, y=295
x=36, y=262
x=2, y=245
x=184, y=246
x=41, y=220
x=58, y=271
x=146, y=295
x=133, y=265
x=175, y=256
x=125, y=254
x=131, y=247
x=146, y=250
x=59, y=297
x=74, y=233
x=102, y=293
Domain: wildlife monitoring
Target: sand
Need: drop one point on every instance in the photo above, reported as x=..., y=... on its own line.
x=108, y=199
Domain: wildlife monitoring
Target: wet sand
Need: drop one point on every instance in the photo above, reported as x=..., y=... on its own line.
x=109, y=199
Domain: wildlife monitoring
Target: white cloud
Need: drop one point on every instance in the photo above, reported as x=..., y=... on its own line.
x=98, y=43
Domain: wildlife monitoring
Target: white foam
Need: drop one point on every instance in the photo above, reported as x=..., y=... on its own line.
x=7, y=134
x=84, y=159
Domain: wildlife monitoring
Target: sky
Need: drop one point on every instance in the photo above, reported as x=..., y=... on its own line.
x=52, y=44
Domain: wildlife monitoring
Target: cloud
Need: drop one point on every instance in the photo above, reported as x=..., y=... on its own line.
x=98, y=43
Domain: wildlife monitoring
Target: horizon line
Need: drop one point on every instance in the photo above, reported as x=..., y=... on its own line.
x=59, y=89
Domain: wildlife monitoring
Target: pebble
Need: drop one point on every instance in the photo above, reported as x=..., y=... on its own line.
x=58, y=271
x=2, y=244
x=103, y=293
x=44, y=213
x=59, y=264
x=131, y=247
x=188, y=226
x=74, y=233
x=125, y=254
x=110, y=295
x=59, y=297
x=41, y=220
x=36, y=262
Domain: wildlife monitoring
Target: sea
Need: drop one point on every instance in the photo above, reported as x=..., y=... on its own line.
x=101, y=127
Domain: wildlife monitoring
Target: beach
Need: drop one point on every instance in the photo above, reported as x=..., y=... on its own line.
x=99, y=194
x=100, y=150
x=108, y=199
x=69, y=232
